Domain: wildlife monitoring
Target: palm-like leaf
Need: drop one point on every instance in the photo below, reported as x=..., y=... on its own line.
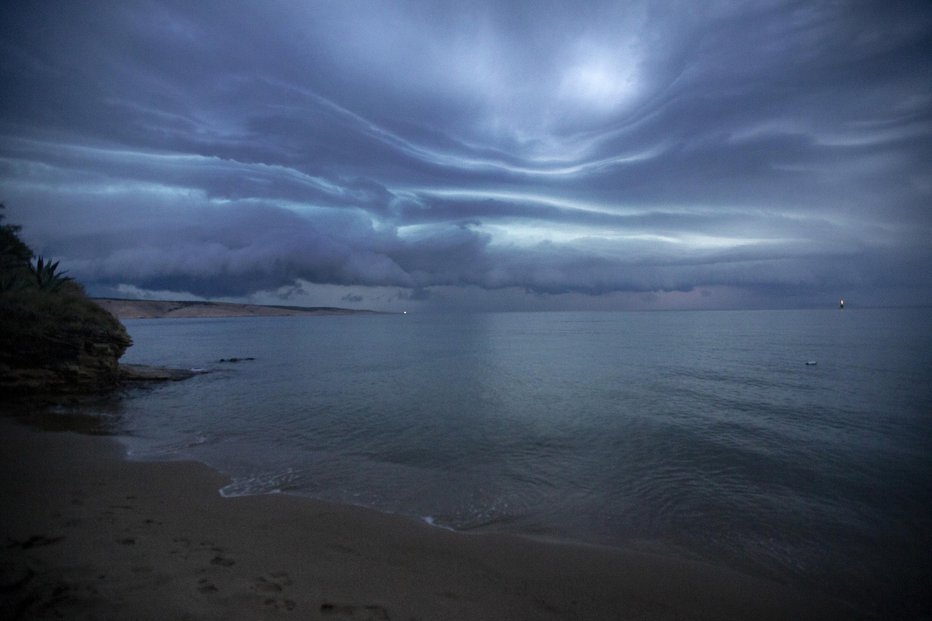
x=47, y=276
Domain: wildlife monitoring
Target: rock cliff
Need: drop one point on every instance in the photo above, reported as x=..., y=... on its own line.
x=54, y=340
x=58, y=344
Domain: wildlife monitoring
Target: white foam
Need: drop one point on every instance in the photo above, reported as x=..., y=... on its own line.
x=429, y=519
x=263, y=483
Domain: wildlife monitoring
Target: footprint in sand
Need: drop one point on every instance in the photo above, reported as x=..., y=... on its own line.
x=356, y=613
x=35, y=541
x=264, y=585
x=274, y=584
x=222, y=561
x=286, y=604
x=206, y=587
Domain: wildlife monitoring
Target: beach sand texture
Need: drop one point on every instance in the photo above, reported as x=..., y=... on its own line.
x=87, y=535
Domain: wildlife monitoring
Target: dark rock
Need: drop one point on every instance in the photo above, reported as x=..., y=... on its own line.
x=58, y=344
x=144, y=373
x=55, y=342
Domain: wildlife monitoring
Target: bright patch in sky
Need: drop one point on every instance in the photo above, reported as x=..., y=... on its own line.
x=600, y=84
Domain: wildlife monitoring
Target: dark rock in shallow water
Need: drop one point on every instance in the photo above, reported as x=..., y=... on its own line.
x=144, y=373
x=235, y=359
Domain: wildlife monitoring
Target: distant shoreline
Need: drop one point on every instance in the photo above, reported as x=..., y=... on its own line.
x=173, y=309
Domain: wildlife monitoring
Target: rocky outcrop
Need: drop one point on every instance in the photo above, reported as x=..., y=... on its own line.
x=58, y=344
x=54, y=340
x=160, y=309
x=132, y=373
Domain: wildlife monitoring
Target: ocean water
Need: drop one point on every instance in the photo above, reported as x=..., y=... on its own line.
x=700, y=434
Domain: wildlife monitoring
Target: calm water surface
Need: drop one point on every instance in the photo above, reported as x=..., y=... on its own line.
x=701, y=434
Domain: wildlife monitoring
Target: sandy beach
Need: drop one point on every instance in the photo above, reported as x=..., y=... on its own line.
x=88, y=535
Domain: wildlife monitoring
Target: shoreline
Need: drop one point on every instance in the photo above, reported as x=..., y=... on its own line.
x=168, y=309
x=94, y=534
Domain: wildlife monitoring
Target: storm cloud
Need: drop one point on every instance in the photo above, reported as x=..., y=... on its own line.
x=528, y=155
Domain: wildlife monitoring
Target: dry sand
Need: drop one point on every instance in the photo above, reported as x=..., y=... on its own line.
x=87, y=535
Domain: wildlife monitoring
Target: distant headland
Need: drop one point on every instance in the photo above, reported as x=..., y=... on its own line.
x=166, y=309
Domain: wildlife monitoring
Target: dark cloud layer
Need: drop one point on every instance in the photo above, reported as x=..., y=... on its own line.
x=504, y=149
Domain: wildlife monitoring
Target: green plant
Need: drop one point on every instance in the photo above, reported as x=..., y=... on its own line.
x=53, y=338
x=46, y=274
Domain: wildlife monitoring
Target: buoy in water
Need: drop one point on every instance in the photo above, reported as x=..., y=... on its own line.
x=811, y=363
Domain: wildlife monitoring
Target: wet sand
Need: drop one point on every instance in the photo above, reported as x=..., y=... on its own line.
x=87, y=535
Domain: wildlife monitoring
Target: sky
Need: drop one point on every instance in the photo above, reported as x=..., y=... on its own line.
x=443, y=156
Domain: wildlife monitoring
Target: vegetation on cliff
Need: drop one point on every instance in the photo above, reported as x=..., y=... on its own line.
x=53, y=338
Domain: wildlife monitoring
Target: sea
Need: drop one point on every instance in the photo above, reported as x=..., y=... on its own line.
x=791, y=445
